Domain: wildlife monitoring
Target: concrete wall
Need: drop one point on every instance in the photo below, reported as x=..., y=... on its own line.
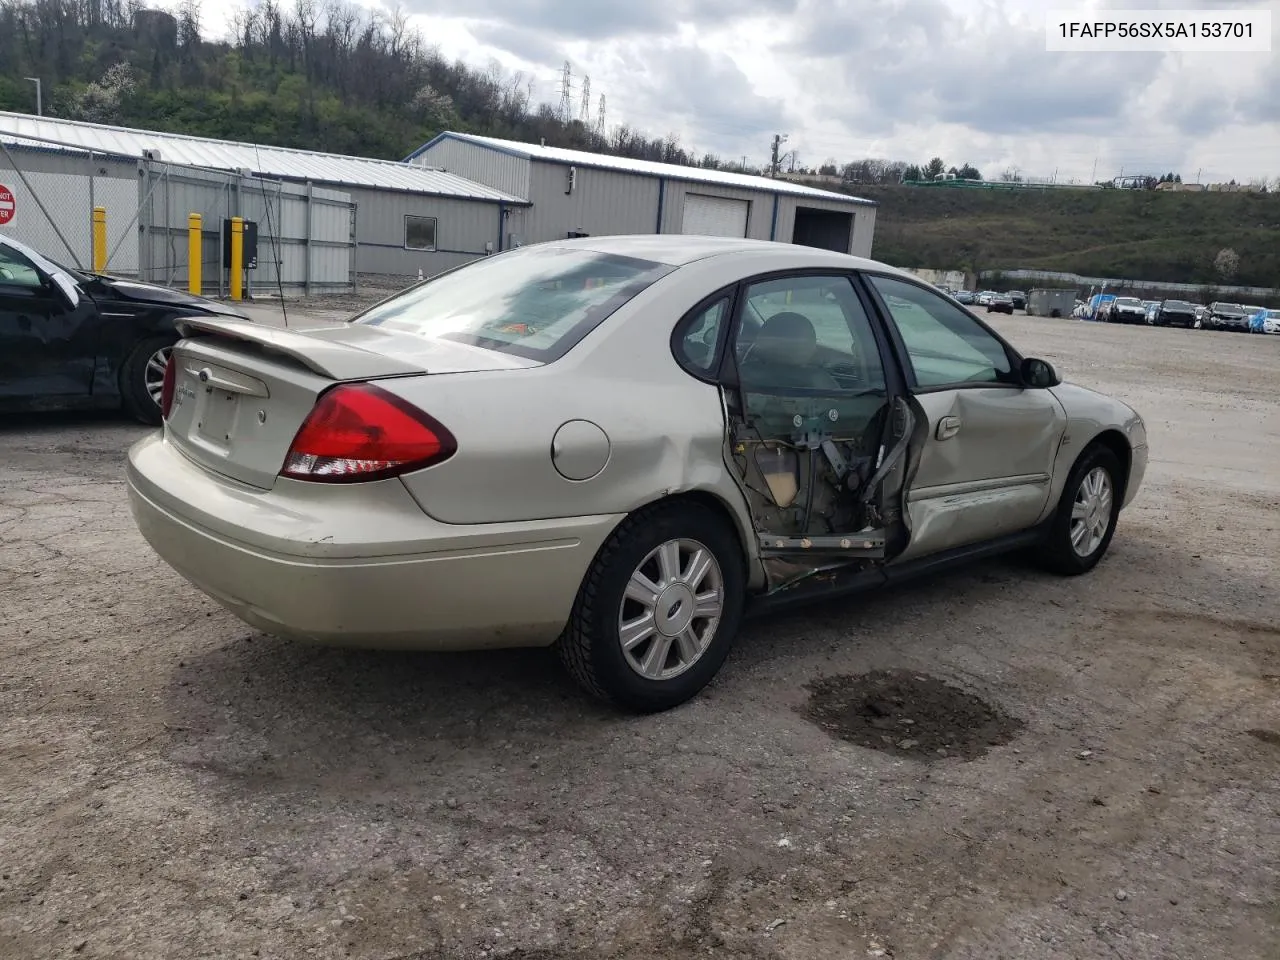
x=490, y=167
x=463, y=228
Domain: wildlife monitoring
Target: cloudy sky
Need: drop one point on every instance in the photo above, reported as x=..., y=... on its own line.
x=969, y=80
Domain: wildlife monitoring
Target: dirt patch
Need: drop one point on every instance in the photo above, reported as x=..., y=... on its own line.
x=908, y=714
x=1266, y=736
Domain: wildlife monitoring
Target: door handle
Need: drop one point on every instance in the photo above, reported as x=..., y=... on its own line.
x=948, y=427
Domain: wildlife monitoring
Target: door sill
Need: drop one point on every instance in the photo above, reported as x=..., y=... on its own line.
x=833, y=584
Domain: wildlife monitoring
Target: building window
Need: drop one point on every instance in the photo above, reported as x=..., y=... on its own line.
x=419, y=233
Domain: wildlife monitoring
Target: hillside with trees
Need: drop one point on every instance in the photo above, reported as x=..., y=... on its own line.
x=1133, y=234
x=328, y=75
x=316, y=74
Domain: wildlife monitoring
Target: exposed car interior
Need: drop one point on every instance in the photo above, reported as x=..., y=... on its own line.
x=812, y=426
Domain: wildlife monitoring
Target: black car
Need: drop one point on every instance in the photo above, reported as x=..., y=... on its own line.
x=1019, y=299
x=1176, y=313
x=1000, y=303
x=1126, y=310
x=74, y=340
x=1227, y=316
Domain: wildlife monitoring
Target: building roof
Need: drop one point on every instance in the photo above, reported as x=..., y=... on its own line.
x=73, y=136
x=648, y=168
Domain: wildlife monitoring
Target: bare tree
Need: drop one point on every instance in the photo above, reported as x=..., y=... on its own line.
x=1226, y=264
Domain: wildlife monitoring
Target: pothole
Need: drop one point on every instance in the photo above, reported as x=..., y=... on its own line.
x=908, y=714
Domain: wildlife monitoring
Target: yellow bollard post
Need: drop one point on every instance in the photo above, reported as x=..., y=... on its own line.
x=195, y=253
x=99, y=239
x=237, y=257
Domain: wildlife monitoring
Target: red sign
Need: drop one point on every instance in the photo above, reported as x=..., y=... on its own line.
x=8, y=205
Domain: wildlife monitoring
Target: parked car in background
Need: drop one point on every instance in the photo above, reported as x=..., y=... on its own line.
x=350, y=485
x=1202, y=315
x=1124, y=310
x=1265, y=321
x=1000, y=303
x=1098, y=304
x=964, y=296
x=1227, y=316
x=76, y=340
x=1019, y=299
x=1152, y=309
x=985, y=297
x=1177, y=313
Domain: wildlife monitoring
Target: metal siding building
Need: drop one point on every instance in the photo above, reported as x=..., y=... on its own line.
x=464, y=230
x=307, y=204
x=574, y=192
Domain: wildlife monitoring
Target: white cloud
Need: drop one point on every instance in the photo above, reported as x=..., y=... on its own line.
x=969, y=80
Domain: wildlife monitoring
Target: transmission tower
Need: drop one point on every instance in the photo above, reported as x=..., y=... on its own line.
x=600, y=117
x=584, y=111
x=566, y=88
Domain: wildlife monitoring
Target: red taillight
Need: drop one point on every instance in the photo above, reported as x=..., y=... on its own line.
x=361, y=432
x=166, y=390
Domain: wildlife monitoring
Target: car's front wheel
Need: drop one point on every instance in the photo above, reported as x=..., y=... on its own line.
x=142, y=378
x=1085, y=521
x=658, y=609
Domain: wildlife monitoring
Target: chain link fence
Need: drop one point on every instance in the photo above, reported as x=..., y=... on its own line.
x=305, y=234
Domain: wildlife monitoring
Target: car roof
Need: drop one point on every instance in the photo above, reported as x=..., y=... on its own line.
x=679, y=249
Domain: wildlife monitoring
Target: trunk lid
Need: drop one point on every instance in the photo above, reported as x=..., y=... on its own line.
x=242, y=390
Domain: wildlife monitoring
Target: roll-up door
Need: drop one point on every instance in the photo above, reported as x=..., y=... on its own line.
x=714, y=216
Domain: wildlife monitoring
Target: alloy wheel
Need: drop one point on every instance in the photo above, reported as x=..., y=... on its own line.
x=671, y=609
x=153, y=373
x=1091, y=512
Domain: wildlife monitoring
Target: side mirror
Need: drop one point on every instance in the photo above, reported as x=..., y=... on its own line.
x=66, y=289
x=1038, y=373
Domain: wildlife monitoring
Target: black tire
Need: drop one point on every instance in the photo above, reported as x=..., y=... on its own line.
x=591, y=646
x=1058, y=555
x=135, y=396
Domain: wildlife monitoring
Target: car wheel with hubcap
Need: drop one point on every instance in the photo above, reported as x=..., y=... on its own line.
x=142, y=378
x=658, y=610
x=1085, y=521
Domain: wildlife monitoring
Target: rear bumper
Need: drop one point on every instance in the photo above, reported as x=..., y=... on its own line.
x=359, y=565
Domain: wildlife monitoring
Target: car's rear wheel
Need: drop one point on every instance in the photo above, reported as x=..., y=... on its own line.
x=1085, y=522
x=142, y=378
x=658, y=610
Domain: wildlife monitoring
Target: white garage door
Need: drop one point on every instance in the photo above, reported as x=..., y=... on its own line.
x=714, y=216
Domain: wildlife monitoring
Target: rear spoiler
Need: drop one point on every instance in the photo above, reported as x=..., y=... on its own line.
x=337, y=361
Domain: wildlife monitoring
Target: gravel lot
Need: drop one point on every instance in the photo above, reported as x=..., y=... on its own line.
x=176, y=785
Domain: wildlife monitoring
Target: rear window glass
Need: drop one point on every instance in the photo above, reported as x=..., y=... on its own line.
x=534, y=302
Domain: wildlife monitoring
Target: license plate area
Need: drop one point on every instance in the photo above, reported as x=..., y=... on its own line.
x=215, y=417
